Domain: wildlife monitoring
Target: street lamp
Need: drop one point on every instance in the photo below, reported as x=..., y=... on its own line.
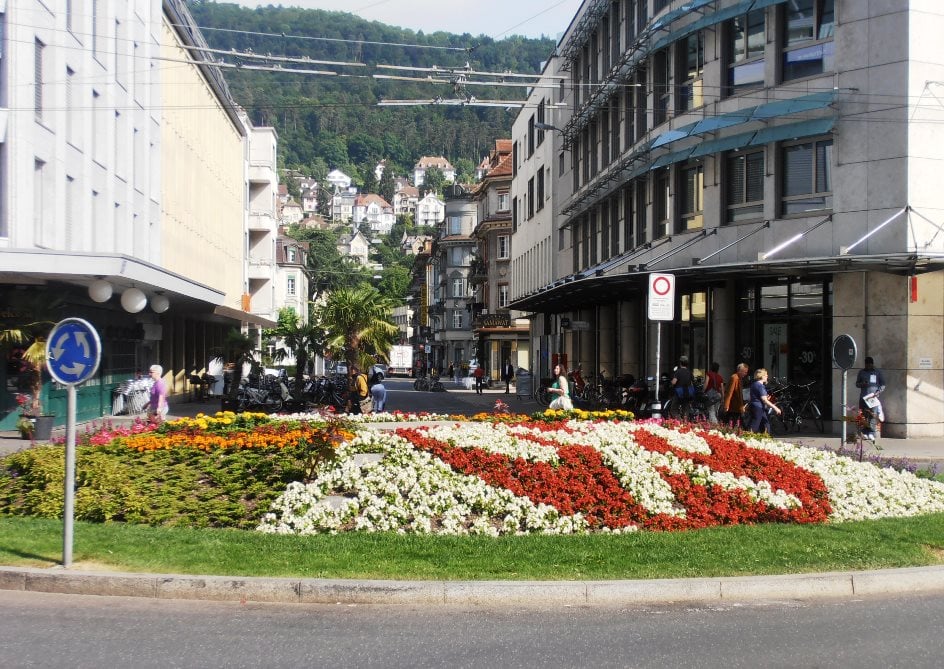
x=539, y=125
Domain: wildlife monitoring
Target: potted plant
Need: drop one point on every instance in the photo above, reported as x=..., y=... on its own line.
x=28, y=340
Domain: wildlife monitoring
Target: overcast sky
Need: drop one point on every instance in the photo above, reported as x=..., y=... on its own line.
x=495, y=18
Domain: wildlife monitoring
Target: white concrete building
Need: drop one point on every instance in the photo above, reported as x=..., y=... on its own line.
x=375, y=211
x=777, y=158
x=430, y=211
x=439, y=162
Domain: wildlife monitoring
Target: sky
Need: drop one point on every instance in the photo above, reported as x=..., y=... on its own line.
x=495, y=18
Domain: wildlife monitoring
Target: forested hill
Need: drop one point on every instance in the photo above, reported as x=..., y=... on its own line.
x=327, y=122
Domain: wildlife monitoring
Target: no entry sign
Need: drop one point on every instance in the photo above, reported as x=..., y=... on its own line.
x=661, y=297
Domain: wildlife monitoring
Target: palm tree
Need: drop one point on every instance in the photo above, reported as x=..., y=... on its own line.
x=32, y=334
x=238, y=348
x=357, y=321
x=302, y=340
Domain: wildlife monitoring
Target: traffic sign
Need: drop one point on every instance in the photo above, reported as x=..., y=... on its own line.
x=661, y=297
x=73, y=351
x=844, y=351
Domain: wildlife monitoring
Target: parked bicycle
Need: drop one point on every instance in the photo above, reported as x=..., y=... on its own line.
x=429, y=383
x=798, y=405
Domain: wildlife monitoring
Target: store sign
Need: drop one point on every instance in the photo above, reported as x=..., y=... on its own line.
x=494, y=321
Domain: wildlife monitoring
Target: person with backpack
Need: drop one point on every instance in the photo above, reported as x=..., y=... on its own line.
x=359, y=401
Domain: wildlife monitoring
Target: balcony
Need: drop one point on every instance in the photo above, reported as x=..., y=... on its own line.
x=261, y=221
x=262, y=173
x=261, y=269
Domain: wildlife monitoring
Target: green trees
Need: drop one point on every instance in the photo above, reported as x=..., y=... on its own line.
x=433, y=181
x=301, y=340
x=358, y=320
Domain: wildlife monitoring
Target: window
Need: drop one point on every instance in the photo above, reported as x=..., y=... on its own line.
x=629, y=241
x=540, y=192
x=614, y=223
x=70, y=106
x=457, y=319
x=661, y=203
x=455, y=225
x=503, y=296
x=504, y=247
x=592, y=238
x=745, y=51
x=503, y=200
x=661, y=87
x=691, y=59
x=459, y=287
x=807, y=177
x=514, y=214
x=540, y=136
x=605, y=231
x=290, y=285
x=808, y=34
x=291, y=254
x=38, y=83
x=531, y=132
x=744, y=179
x=530, y=198
x=692, y=196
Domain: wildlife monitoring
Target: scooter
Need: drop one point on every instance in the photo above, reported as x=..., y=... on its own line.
x=269, y=397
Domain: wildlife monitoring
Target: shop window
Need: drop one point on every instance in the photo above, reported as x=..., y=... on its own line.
x=807, y=177
x=745, y=51
x=744, y=186
x=692, y=196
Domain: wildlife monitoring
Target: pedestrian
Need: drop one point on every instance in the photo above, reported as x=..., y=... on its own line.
x=157, y=404
x=561, y=388
x=870, y=382
x=378, y=391
x=358, y=395
x=479, y=375
x=759, y=403
x=734, y=397
x=684, y=388
x=451, y=372
x=508, y=373
x=714, y=392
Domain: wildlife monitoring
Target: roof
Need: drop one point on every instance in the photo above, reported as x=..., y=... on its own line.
x=370, y=198
x=433, y=161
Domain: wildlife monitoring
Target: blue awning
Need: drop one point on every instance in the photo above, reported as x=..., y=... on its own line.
x=670, y=158
x=670, y=136
x=714, y=123
x=779, y=133
x=793, y=106
x=731, y=143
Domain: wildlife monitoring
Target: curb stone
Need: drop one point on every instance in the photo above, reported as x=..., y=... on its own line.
x=477, y=593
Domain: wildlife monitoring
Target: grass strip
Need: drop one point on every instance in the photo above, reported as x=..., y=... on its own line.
x=723, y=551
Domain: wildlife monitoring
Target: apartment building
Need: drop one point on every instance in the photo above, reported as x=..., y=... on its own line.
x=778, y=159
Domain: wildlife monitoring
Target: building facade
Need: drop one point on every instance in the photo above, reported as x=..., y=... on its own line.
x=778, y=159
x=123, y=192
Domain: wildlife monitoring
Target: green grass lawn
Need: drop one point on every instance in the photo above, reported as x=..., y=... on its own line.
x=726, y=551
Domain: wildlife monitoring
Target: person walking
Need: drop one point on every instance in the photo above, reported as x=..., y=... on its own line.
x=714, y=392
x=684, y=388
x=870, y=382
x=508, y=373
x=561, y=388
x=479, y=375
x=759, y=403
x=734, y=397
x=157, y=403
x=378, y=391
x=358, y=395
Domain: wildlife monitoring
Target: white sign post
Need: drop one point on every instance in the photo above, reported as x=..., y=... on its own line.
x=661, y=308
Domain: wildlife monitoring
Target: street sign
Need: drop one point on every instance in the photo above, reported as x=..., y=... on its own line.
x=73, y=351
x=661, y=297
x=844, y=351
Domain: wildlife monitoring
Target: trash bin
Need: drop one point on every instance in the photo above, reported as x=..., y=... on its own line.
x=524, y=384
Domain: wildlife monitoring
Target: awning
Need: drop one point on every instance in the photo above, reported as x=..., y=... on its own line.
x=244, y=317
x=779, y=133
x=731, y=143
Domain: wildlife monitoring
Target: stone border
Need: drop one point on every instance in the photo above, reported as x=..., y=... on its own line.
x=476, y=593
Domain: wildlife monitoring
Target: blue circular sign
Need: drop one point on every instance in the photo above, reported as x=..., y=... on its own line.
x=73, y=351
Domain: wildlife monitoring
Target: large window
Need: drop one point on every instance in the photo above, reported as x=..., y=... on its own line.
x=691, y=60
x=745, y=51
x=744, y=179
x=290, y=285
x=692, y=196
x=661, y=87
x=807, y=177
x=503, y=200
x=459, y=287
x=808, y=38
x=503, y=296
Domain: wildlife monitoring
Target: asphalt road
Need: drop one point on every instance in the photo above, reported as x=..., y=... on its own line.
x=46, y=630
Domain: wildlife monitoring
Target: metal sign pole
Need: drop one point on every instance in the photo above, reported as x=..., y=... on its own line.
x=845, y=423
x=658, y=403
x=68, y=511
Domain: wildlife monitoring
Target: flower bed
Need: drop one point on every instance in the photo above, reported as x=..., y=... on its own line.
x=570, y=476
